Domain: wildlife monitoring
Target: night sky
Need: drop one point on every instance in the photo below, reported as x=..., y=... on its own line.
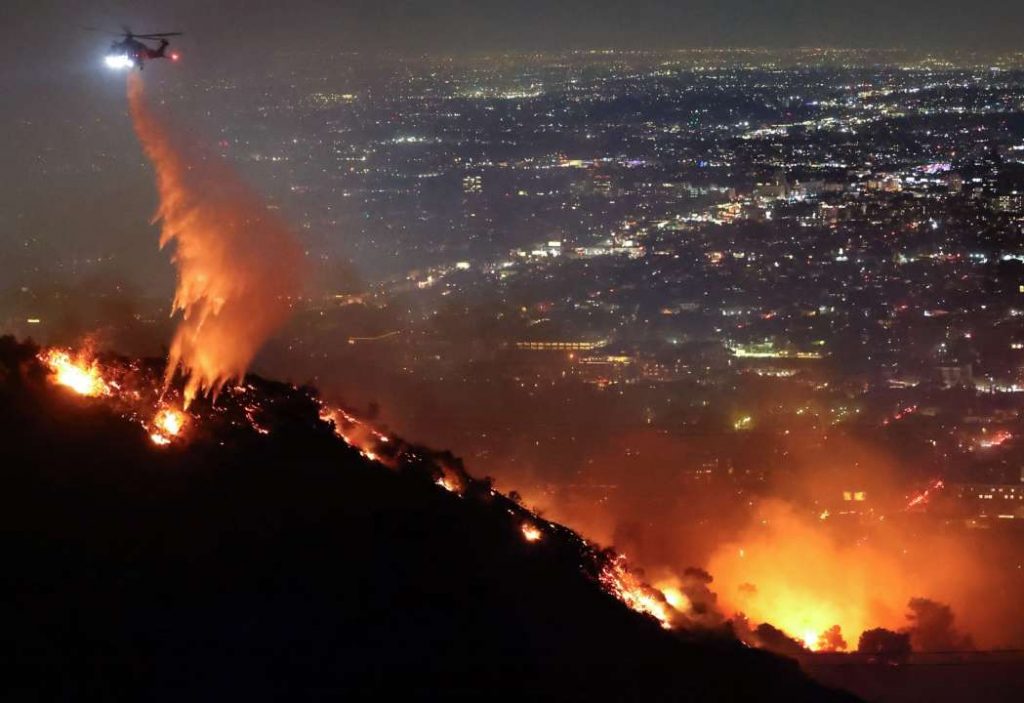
x=245, y=26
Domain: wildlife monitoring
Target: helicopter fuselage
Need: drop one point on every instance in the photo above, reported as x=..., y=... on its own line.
x=137, y=53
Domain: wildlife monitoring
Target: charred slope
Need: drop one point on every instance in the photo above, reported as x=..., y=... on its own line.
x=286, y=566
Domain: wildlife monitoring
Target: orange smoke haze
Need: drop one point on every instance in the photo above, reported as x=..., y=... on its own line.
x=239, y=266
x=804, y=579
x=791, y=551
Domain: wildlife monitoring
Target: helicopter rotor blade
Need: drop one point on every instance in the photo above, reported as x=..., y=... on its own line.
x=158, y=35
x=102, y=31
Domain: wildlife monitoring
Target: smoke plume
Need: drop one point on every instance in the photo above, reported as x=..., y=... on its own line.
x=932, y=627
x=239, y=266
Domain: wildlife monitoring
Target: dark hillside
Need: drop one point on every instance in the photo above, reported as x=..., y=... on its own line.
x=244, y=566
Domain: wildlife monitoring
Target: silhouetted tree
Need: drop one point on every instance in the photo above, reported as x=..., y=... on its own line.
x=885, y=646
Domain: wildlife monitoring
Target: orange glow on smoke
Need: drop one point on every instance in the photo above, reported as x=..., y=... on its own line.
x=239, y=267
x=788, y=572
x=806, y=577
x=450, y=483
x=79, y=374
x=674, y=596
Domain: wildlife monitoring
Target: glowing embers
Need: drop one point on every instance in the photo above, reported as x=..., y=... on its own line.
x=168, y=425
x=80, y=374
x=924, y=496
x=618, y=580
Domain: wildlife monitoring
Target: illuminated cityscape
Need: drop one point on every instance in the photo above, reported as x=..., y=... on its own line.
x=674, y=229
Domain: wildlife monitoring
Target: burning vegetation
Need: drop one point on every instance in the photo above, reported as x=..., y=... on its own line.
x=136, y=392
x=79, y=373
x=808, y=593
x=210, y=547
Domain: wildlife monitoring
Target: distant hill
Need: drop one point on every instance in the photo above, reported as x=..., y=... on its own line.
x=286, y=566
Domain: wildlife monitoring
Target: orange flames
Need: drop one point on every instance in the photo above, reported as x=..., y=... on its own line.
x=80, y=374
x=357, y=434
x=239, y=267
x=83, y=374
x=804, y=575
x=787, y=572
x=450, y=481
x=625, y=585
x=167, y=425
x=531, y=533
x=825, y=585
x=136, y=401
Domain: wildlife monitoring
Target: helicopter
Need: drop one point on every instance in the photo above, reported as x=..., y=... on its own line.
x=130, y=52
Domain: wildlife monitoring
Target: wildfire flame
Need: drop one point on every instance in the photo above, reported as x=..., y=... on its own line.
x=450, y=482
x=84, y=375
x=136, y=400
x=79, y=374
x=767, y=579
x=637, y=595
x=531, y=533
x=367, y=440
x=167, y=425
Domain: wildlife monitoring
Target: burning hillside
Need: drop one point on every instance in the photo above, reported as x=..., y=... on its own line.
x=135, y=392
x=270, y=541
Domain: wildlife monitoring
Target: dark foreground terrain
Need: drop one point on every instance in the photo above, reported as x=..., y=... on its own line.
x=242, y=566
